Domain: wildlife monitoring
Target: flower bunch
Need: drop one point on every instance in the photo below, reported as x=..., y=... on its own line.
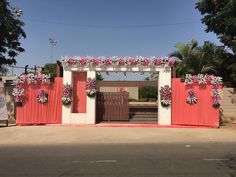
x=42, y=96
x=133, y=61
x=165, y=94
x=95, y=61
x=216, y=94
x=66, y=94
x=44, y=78
x=121, y=62
x=19, y=91
x=32, y=78
x=144, y=62
x=71, y=62
x=188, y=79
x=91, y=87
x=201, y=79
x=83, y=61
x=19, y=94
x=171, y=62
x=107, y=62
x=191, y=98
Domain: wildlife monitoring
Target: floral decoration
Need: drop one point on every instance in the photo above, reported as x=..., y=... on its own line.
x=191, y=98
x=165, y=94
x=20, y=82
x=67, y=94
x=91, y=87
x=202, y=79
x=42, y=96
x=32, y=78
x=19, y=94
x=76, y=62
x=216, y=94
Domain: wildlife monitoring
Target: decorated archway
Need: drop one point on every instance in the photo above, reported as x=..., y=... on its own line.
x=85, y=68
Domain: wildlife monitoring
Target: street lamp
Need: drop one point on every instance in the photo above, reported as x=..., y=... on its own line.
x=53, y=42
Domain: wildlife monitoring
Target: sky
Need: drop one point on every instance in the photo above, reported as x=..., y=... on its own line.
x=107, y=28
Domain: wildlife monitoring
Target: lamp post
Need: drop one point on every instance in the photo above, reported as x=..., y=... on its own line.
x=53, y=42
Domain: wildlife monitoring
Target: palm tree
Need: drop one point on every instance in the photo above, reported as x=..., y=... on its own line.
x=186, y=56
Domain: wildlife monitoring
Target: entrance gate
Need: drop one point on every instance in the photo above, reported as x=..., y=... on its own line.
x=112, y=106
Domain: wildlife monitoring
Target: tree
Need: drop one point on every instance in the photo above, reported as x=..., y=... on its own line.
x=10, y=34
x=186, y=56
x=205, y=59
x=99, y=77
x=50, y=68
x=3, y=70
x=220, y=18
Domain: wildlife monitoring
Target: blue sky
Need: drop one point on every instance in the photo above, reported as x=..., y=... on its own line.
x=107, y=27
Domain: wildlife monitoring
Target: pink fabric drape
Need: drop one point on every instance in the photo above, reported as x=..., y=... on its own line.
x=200, y=114
x=33, y=112
x=79, y=92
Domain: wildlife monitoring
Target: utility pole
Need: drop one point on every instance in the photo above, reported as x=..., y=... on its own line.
x=53, y=42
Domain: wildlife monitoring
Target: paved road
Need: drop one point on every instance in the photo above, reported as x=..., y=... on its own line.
x=107, y=152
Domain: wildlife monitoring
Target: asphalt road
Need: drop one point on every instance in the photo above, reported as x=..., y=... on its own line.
x=111, y=152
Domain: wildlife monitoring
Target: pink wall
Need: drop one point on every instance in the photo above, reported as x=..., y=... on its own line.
x=202, y=113
x=79, y=92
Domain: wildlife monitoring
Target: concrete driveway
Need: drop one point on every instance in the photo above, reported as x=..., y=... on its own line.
x=50, y=151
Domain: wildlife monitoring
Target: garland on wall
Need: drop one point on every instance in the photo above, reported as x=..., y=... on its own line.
x=67, y=94
x=165, y=94
x=77, y=62
x=215, y=81
x=191, y=98
x=42, y=96
x=21, y=80
x=91, y=87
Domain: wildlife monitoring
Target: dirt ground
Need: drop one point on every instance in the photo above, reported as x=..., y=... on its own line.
x=54, y=134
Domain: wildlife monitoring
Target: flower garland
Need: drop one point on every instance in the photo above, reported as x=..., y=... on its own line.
x=20, y=81
x=76, y=62
x=67, y=94
x=165, y=94
x=191, y=98
x=215, y=81
x=202, y=79
x=42, y=96
x=91, y=87
x=216, y=94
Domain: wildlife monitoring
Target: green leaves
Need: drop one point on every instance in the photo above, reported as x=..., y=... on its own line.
x=10, y=33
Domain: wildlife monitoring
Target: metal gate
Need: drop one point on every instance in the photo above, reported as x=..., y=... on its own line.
x=112, y=106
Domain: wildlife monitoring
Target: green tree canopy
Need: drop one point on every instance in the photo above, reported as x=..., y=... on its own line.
x=208, y=58
x=10, y=34
x=220, y=18
x=50, y=68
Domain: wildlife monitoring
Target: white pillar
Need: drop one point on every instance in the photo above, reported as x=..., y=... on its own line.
x=91, y=102
x=164, y=113
x=66, y=110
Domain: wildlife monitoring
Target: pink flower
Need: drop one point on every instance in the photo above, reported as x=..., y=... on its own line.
x=171, y=62
x=72, y=61
x=107, y=62
x=95, y=61
x=121, y=61
x=145, y=62
x=133, y=61
x=83, y=61
x=157, y=61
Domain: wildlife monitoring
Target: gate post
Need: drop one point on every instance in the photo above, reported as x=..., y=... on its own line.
x=66, y=110
x=164, y=113
x=91, y=102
